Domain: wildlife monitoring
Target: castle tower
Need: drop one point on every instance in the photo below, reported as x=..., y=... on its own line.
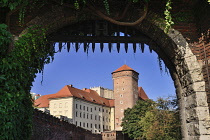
x=125, y=81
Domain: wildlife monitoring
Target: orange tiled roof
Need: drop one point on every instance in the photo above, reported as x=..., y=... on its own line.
x=142, y=93
x=124, y=68
x=69, y=91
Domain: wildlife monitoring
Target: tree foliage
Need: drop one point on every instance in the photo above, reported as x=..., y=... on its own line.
x=152, y=120
x=18, y=67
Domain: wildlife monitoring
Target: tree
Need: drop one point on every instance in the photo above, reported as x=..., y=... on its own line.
x=152, y=120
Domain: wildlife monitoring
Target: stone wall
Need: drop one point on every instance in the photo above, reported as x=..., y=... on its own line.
x=48, y=127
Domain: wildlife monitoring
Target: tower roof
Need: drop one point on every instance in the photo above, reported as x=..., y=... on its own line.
x=124, y=68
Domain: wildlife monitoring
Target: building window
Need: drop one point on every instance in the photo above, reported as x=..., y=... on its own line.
x=103, y=118
x=83, y=124
x=121, y=102
x=80, y=124
x=76, y=113
x=83, y=115
x=106, y=111
x=123, y=89
x=99, y=109
x=121, y=95
x=60, y=105
x=80, y=114
x=99, y=117
x=91, y=109
x=87, y=125
x=87, y=115
x=76, y=106
x=76, y=123
x=87, y=108
x=95, y=125
x=99, y=126
x=95, y=108
x=103, y=110
x=91, y=125
x=83, y=107
x=91, y=116
x=95, y=117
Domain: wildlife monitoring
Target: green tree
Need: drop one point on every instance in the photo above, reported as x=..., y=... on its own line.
x=152, y=120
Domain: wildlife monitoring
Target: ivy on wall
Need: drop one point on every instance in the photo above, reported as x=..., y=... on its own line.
x=18, y=69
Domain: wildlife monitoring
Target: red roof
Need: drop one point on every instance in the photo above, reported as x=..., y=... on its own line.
x=124, y=68
x=142, y=94
x=69, y=91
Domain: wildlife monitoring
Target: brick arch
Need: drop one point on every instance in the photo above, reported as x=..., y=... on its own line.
x=178, y=57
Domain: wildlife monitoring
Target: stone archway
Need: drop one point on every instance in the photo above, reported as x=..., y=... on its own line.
x=178, y=57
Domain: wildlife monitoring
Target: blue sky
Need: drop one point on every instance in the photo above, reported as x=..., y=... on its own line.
x=84, y=70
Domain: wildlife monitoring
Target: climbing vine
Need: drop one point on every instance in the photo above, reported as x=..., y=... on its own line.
x=18, y=68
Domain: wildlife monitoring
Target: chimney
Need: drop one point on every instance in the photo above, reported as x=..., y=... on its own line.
x=71, y=85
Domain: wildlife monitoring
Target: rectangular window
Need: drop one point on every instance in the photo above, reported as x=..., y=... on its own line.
x=83, y=124
x=99, y=109
x=83, y=107
x=95, y=125
x=91, y=125
x=87, y=125
x=95, y=117
x=91, y=109
x=91, y=116
x=80, y=114
x=95, y=108
x=76, y=106
x=87, y=115
x=87, y=108
x=80, y=124
x=60, y=105
x=76, y=113
x=84, y=115
x=76, y=123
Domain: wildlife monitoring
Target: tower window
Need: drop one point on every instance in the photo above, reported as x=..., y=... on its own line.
x=123, y=89
x=121, y=95
x=121, y=102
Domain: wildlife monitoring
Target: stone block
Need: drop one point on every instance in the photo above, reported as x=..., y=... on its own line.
x=204, y=128
x=204, y=137
x=193, y=129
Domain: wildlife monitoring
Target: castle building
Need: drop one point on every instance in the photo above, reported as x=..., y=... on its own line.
x=96, y=109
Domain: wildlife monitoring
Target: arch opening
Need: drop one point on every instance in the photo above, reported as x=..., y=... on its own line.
x=174, y=50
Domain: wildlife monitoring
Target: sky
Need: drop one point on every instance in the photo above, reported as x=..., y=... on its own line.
x=85, y=70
